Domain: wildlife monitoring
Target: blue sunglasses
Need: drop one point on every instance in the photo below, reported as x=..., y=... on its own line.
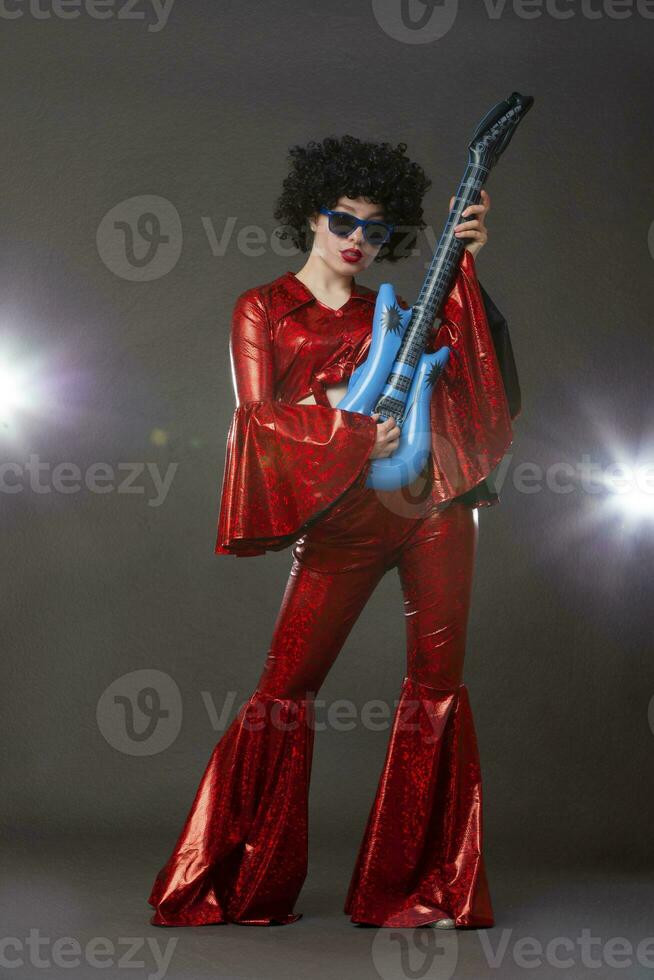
x=341, y=223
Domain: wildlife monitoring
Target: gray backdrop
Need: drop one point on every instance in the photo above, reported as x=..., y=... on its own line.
x=200, y=112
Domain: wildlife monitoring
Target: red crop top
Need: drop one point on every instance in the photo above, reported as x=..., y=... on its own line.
x=287, y=463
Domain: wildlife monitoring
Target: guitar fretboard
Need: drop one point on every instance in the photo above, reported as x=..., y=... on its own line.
x=441, y=272
x=489, y=141
x=434, y=291
x=442, y=269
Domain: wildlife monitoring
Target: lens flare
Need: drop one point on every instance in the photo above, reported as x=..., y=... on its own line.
x=629, y=494
x=14, y=391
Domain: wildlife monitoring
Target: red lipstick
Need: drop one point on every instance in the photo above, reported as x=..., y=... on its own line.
x=351, y=255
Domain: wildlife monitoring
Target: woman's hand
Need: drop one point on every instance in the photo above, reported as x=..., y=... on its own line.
x=473, y=227
x=387, y=438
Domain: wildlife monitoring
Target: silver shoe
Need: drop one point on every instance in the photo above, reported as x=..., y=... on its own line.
x=444, y=924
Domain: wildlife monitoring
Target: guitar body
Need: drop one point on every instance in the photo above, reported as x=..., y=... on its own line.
x=389, y=325
x=397, y=379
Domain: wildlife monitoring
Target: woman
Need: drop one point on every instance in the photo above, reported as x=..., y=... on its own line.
x=295, y=471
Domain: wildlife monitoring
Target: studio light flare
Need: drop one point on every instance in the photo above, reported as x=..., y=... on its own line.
x=16, y=393
x=629, y=494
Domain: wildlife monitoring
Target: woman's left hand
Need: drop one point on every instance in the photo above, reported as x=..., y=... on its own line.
x=474, y=228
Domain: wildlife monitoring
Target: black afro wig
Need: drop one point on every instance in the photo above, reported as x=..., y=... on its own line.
x=321, y=172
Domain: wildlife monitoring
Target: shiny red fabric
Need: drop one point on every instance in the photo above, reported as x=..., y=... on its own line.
x=296, y=470
x=420, y=858
x=470, y=417
x=287, y=463
x=242, y=854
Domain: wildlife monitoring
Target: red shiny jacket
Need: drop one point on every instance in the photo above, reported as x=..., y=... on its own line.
x=287, y=463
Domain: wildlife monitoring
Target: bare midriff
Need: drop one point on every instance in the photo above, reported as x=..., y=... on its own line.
x=335, y=393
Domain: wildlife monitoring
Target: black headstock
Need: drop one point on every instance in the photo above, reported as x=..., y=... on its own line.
x=494, y=132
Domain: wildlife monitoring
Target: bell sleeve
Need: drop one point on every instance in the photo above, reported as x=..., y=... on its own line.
x=504, y=350
x=470, y=410
x=285, y=464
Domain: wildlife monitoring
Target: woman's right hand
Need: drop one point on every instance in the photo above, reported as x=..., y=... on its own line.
x=388, y=438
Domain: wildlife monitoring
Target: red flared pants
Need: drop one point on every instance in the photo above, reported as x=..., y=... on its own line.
x=242, y=854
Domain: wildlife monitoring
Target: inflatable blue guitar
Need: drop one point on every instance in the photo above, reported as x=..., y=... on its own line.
x=398, y=376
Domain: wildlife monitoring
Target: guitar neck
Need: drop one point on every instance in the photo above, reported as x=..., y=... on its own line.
x=489, y=141
x=442, y=270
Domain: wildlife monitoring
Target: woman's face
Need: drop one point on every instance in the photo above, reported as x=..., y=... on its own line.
x=346, y=255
